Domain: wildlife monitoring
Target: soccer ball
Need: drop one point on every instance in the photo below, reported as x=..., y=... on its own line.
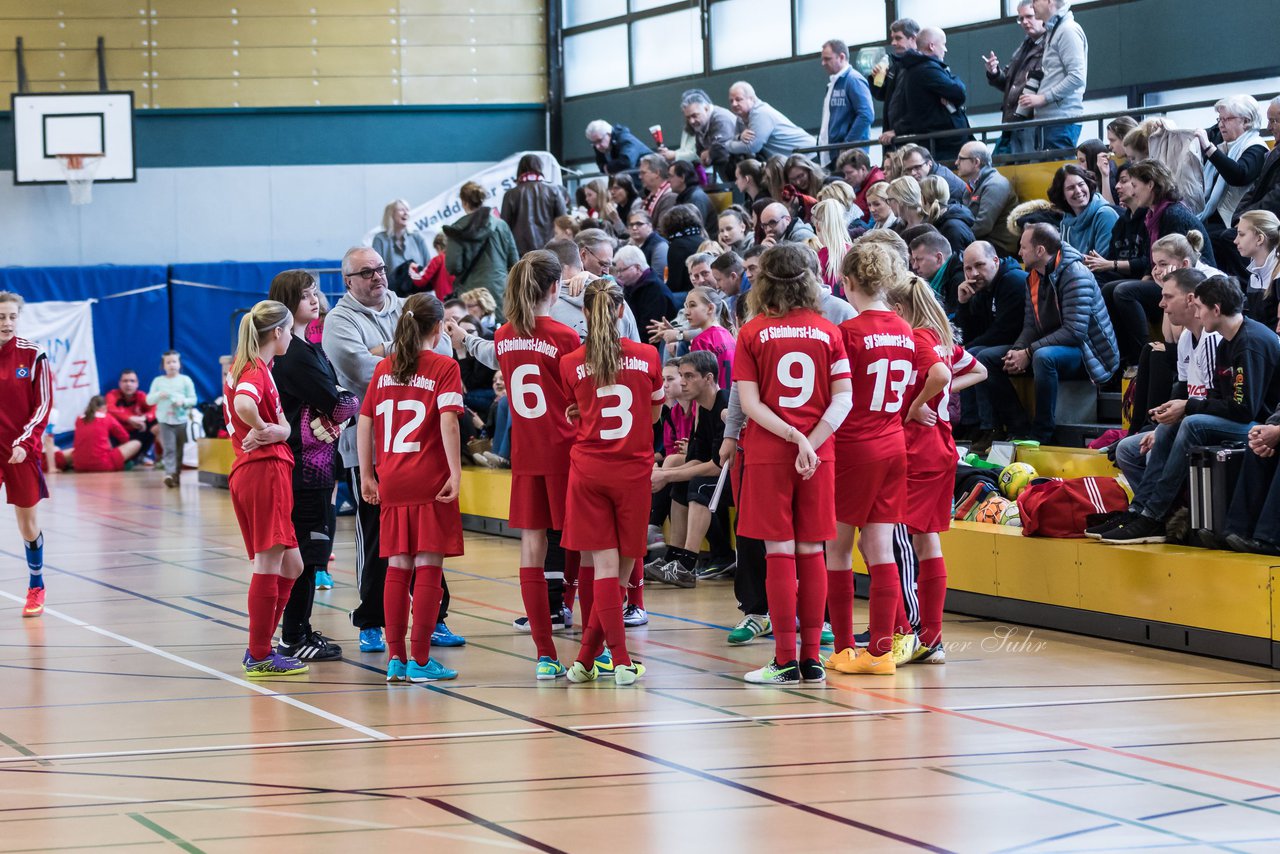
x=1011, y=516
x=991, y=510
x=1015, y=477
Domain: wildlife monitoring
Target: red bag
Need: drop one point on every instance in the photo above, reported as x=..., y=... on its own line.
x=1057, y=507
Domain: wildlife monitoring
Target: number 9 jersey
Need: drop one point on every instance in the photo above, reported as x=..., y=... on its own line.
x=793, y=360
x=407, y=445
x=541, y=435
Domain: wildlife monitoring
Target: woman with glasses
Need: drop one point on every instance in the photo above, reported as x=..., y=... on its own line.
x=1230, y=169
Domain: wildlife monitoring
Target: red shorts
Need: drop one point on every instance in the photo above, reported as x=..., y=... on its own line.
x=262, y=496
x=407, y=529
x=929, y=501
x=537, y=501
x=24, y=484
x=112, y=460
x=613, y=514
x=871, y=491
x=778, y=505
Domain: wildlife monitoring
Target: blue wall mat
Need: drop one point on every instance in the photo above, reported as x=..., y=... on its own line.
x=128, y=331
x=205, y=299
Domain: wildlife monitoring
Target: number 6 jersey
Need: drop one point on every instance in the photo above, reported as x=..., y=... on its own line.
x=540, y=434
x=615, y=422
x=793, y=360
x=407, y=446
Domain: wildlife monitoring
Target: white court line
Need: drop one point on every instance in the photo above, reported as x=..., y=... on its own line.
x=243, y=683
x=1102, y=701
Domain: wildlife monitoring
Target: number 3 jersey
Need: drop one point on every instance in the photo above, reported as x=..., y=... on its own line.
x=881, y=352
x=793, y=360
x=615, y=422
x=541, y=435
x=407, y=446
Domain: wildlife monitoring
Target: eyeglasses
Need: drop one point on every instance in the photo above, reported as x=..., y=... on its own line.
x=369, y=274
x=918, y=167
x=770, y=223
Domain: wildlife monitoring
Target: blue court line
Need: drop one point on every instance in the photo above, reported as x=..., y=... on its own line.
x=1173, y=786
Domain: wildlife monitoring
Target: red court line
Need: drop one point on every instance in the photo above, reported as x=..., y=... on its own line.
x=968, y=717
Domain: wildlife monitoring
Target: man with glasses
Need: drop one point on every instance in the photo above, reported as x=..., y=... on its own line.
x=1011, y=79
x=990, y=197
x=595, y=247
x=357, y=335
x=918, y=162
x=647, y=295
x=617, y=149
x=780, y=227
x=652, y=244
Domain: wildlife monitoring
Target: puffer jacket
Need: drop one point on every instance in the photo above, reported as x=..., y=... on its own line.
x=1071, y=313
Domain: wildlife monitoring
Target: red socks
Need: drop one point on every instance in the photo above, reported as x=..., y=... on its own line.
x=395, y=609
x=428, y=588
x=780, y=587
x=262, y=607
x=533, y=592
x=840, y=604
x=886, y=598
x=284, y=586
x=811, y=572
x=635, y=585
x=607, y=611
x=586, y=592
x=932, y=586
x=572, y=563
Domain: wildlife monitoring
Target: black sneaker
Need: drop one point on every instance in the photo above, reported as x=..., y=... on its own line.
x=862, y=640
x=811, y=670
x=1112, y=520
x=314, y=647
x=1135, y=531
x=558, y=624
x=1248, y=545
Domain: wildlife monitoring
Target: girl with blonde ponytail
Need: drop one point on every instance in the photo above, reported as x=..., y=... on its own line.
x=615, y=392
x=941, y=367
x=261, y=481
x=408, y=424
x=871, y=459
x=530, y=347
x=707, y=313
x=793, y=382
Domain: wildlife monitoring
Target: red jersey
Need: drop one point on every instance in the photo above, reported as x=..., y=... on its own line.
x=26, y=387
x=793, y=360
x=932, y=448
x=257, y=382
x=540, y=434
x=407, y=446
x=93, y=448
x=881, y=351
x=615, y=422
x=122, y=410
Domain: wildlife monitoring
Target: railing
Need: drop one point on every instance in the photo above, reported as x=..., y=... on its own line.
x=984, y=131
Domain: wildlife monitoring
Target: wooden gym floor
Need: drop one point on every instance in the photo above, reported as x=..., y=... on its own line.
x=124, y=723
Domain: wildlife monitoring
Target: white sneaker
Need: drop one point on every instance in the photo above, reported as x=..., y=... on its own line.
x=633, y=616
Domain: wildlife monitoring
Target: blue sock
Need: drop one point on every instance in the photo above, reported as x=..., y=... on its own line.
x=35, y=561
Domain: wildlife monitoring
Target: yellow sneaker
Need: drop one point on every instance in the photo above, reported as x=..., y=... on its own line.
x=904, y=647
x=874, y=665
x=840, y=660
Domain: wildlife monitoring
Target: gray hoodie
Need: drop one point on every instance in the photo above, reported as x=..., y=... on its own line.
x=351, y=330
x=1066, y=68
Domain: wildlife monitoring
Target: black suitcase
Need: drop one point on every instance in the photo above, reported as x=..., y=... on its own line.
x=1214, y=472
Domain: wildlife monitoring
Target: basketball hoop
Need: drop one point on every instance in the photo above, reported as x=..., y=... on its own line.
x=79, y=170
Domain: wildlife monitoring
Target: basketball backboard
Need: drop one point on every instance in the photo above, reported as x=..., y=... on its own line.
x=49, y=125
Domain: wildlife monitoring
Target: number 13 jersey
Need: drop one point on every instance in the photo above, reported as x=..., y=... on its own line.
x=615, y=422
x=407, y=446
x=541, y=435
x=793, y=360
x=881, y=352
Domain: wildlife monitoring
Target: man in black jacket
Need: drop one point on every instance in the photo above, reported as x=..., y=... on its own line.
x=885, y=76
x=928, y=97
x=617, y=148
x=1246, y=390
x=933, y=260
x=991, y=301
x=646, y=293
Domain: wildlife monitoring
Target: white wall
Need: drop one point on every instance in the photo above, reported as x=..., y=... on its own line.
x=237, y=213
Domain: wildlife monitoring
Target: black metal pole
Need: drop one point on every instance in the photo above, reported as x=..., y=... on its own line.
x=102, y=64
x=555, y=81
x=23, y=84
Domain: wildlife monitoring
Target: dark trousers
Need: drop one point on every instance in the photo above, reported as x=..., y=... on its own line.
x=748, y=580
x=1049, y=365
x=313, y=523
x=1151, y=387
x=1255, y=506
x=553, y=571
x=371, y=570
x=1134, y=305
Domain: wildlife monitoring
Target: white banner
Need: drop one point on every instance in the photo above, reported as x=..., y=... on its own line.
x=446, y=207
x=65, y=331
